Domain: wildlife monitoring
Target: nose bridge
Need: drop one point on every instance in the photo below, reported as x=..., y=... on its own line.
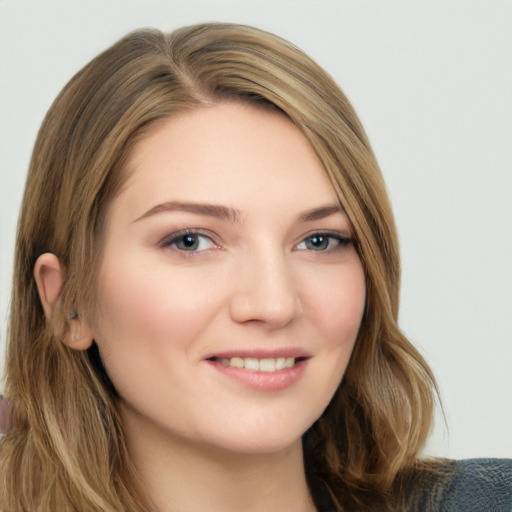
x=264, y=288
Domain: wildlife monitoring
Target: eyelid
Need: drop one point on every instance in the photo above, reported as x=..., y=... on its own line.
x=171, y=238
x=343, y=237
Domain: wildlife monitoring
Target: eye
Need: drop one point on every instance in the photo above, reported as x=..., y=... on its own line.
x=319, y=242
x=188, y=241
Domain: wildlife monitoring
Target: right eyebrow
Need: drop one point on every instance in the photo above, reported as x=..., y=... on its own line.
x=321, y=212
x=207, y=209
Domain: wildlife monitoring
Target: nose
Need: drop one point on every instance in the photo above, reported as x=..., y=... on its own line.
x=265, y=292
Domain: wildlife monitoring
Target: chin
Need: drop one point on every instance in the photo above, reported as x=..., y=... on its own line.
x=263, y=447
x=267, y=440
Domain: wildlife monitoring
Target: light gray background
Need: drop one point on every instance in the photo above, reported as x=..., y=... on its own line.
x=432, y=83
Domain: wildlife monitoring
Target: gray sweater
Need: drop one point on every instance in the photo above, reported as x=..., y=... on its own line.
x=476, y=485
x=473, y=485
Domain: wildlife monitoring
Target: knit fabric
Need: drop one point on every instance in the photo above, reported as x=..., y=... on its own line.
x=473, y=485
x=479, y=485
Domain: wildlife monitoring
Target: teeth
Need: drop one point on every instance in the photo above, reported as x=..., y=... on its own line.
x=237, y=362
x=268, y=365
x=251, y=363
x=263, y=365
x=280, y=363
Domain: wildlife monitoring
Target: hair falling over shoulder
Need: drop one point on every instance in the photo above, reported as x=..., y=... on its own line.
x=69, y=452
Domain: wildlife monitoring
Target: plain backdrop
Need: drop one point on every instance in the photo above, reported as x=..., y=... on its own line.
x=432, y=83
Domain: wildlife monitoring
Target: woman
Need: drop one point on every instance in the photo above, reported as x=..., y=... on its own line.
x=204, y=311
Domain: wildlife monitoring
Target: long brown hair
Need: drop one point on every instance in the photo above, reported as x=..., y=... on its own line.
x=69, y=452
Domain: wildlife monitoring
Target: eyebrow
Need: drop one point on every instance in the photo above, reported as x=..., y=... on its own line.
x=320, y=213
x=210, y=210
x=231, y=214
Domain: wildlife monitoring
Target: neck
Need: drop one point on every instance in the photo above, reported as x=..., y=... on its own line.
x=181, y=476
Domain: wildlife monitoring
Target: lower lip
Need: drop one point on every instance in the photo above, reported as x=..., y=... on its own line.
x=264, y=381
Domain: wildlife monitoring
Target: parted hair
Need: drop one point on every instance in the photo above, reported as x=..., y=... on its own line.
x=69, y=452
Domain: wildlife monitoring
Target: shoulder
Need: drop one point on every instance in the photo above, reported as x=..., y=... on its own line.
x=481, y=485
x=473, y=485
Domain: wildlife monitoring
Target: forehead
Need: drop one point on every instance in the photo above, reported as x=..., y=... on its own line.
x=229, y=153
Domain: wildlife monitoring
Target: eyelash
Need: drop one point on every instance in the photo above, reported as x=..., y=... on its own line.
x=175, y=238
x=179, y=236
x=342, y=241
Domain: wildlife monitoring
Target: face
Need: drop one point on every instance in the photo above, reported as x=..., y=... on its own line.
x=230, y=294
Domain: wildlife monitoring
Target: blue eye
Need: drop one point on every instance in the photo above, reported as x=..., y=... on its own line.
x=188, y=241
x=319, y=242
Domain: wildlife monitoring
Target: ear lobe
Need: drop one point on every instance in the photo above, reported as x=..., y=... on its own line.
x=49, y=277
x=79, y=335
x=49, y=280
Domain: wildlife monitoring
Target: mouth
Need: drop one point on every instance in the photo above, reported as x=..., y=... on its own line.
x=267, y=364
x=264, y=370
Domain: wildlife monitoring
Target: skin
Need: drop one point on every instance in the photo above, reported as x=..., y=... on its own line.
x=255, y=280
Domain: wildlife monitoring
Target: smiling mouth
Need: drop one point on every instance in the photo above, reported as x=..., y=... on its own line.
x=269, y=364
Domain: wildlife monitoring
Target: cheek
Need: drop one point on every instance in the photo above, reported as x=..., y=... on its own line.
x=148, y=315
x=336, y=312
x=151, y=298
x=339, y=307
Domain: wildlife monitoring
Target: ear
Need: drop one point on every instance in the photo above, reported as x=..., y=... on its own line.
x=49, y=277
x=49, y=280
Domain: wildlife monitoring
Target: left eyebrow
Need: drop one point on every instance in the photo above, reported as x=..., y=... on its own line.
x=320, y=213
x=206, y=209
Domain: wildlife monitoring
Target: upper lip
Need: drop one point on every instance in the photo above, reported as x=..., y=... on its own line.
x=260, y=353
